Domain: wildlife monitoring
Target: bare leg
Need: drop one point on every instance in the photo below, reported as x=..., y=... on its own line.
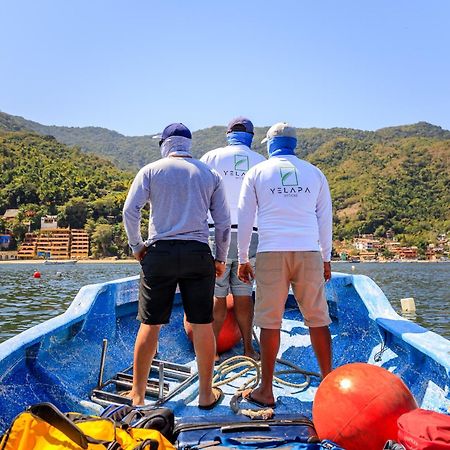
x=321, y=343
x=144, y=351
x=205, y=350
x=219, y=314
x=243, y=307
x=270, y=344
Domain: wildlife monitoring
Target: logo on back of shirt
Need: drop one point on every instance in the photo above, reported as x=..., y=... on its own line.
x=241, y=165
x=241, y=162
x=289, y=183
x=288, y=176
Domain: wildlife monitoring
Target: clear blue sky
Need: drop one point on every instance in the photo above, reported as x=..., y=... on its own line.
x=135, y=66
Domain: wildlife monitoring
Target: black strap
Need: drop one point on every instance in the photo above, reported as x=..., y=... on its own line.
x=148, y=444
x=53, y=416
x=234, y=227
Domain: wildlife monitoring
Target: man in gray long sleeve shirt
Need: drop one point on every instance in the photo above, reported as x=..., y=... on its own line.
x=180, y=191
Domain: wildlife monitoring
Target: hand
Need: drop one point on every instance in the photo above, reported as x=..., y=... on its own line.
x=220, y=268
x=245, y=273
x=141, y=254
x=327, y=271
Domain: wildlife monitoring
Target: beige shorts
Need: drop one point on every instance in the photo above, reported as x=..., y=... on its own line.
x=274, y=272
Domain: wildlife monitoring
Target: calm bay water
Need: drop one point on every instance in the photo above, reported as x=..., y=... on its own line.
x=27, y=301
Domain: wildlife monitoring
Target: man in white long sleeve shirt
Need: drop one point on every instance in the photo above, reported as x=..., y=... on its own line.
x=293, y=204
x=232, y=163
x=180, y=191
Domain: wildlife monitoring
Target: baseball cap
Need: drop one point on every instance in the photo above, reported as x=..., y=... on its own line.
x=279, y=129
x=240, y=124
x=175, y=129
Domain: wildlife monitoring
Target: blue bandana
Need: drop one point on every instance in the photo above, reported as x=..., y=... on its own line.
x=281, y=145
x=239, y=138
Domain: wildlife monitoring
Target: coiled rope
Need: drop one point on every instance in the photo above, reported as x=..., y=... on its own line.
x=239, y=366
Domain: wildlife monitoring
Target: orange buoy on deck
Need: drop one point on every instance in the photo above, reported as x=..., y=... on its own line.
x=229, y=335
x=357, y=406
x=37, y=274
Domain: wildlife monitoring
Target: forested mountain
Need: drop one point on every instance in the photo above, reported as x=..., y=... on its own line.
x=393, y=178
x=132, y=152
x=403, y=186
x=41, y=176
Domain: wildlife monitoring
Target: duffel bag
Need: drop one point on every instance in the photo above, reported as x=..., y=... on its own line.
x=44, y=427
x=420, y=429
x=154, y=418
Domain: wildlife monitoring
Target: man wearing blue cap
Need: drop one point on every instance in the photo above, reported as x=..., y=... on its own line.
x=232, y=163
x=180, y=191
x=292, y=200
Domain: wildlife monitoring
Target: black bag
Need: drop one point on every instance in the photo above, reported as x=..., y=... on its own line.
x=150, y=418
x=291, y=434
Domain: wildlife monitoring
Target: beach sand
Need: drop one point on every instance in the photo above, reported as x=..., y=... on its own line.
x=81, y=261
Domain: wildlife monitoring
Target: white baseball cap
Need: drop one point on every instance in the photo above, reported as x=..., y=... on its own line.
x=280, y=129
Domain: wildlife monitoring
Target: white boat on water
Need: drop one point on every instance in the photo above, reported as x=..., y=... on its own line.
x=60, y=261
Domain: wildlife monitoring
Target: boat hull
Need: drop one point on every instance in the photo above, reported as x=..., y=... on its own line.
x=58, y=361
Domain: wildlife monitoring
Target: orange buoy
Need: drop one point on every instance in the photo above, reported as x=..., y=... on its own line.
x=229, y=334
x=37, y=274
x=357, y=406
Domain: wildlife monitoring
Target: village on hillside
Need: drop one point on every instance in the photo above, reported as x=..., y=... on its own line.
x=53, y=242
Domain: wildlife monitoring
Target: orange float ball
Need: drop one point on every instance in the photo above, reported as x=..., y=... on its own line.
x=357, y=406
x=229, y=335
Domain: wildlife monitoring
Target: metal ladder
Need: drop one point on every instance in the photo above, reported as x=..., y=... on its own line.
x=163, y=375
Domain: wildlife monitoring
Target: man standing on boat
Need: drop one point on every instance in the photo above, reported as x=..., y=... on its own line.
x=180, y=190
x=232, y=163
x=293, y=204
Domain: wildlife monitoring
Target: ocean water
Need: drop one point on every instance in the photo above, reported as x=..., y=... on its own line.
x=26, y=301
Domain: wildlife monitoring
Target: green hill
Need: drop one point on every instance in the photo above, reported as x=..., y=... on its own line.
x=41, y=176
x=393, y=178
x=403, y=186
x=132, y=152
x=39, y=170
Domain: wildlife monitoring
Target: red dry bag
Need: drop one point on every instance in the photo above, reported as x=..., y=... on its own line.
x=420, y=429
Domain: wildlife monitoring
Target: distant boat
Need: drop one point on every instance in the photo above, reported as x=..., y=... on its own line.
x=60, y=261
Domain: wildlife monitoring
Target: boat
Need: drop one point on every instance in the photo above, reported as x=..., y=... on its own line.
x=60, y=261
x=81, y=361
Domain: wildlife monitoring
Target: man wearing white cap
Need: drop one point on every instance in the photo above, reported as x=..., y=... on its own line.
x=232, y=163
x=292, y=201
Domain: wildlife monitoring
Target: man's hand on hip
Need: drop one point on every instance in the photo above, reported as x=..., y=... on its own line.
x=220, y=268
x=245, y=273
x=141, y=254
x=327, y=270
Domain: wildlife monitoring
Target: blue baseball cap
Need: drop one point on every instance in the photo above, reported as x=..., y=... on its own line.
x=175, y=129
x=240, y=124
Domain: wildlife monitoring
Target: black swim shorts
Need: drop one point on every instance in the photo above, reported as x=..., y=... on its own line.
x=167, y=263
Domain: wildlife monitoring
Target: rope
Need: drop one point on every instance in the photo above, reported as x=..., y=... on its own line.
x=239, y=366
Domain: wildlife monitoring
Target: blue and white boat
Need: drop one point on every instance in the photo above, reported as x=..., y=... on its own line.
x=65, y=360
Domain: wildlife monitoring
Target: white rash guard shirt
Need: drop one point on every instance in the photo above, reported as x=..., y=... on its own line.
x=292, y=201
x=232, y=163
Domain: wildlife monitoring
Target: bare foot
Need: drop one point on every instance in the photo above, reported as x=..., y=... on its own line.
x=216, y=397
x=136, y=400
x=259, y=398
x=252, y=354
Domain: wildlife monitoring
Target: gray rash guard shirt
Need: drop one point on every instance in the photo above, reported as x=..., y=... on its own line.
x=180, y=191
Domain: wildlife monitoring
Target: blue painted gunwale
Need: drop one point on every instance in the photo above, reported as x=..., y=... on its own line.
x=58, y=360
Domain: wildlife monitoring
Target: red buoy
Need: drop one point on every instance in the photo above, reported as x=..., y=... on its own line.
x=37, y=274
x=357, y=406
x=229, y=334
